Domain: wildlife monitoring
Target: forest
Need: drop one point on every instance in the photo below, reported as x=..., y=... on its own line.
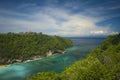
x=103, y=63
x=18, y=47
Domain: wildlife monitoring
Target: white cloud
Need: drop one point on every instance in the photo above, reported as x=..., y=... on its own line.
x=54, y=21
x=97, y=32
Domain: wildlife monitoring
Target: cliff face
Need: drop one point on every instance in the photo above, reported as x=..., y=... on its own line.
x=50, y=53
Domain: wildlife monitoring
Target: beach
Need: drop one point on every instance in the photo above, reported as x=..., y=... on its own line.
x=3, y=66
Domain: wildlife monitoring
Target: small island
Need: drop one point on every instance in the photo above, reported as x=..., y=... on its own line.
x=24, y=47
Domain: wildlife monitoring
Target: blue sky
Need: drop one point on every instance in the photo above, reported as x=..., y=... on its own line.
x=61, y=17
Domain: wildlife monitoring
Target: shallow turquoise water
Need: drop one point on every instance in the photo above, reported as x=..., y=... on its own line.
x=56, y=63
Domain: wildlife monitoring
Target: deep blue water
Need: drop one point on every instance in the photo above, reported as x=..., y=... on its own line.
x=57, y=63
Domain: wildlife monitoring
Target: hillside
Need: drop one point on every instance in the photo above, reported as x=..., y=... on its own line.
x=103, y=63
x=18, y=47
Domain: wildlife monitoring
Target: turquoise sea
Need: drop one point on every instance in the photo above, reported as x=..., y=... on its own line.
x=58, y=62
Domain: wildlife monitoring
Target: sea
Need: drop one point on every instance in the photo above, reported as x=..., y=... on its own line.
x=57, y=63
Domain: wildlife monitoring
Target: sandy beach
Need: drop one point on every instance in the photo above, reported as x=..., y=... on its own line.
x=3, y=66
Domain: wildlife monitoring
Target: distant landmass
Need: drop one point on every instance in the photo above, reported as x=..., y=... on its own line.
x=103, y=63
x=19, y=47
x=85, y=37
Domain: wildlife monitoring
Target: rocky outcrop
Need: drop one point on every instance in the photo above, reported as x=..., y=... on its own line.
x=9, y=61
x=50, y=53
x=59, y=51
x=15, y=61
x=33, y=57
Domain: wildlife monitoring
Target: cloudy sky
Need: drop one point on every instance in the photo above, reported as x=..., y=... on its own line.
x=61, y=17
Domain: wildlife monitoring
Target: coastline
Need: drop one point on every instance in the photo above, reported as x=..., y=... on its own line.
x=33, y=59
x=3, y=66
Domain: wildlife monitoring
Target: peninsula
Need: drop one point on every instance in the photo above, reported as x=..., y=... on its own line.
x=20, y=47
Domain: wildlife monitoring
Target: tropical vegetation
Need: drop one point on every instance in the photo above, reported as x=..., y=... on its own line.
x=103, y=63
x=22, y=46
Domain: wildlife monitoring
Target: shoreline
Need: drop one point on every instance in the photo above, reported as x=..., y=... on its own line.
x=29, y=60
x=3, y=66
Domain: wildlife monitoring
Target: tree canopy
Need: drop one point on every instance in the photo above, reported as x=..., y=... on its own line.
x=103, y=63
x=25, y=45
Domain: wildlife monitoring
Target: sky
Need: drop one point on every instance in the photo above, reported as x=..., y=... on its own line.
x=61, y=17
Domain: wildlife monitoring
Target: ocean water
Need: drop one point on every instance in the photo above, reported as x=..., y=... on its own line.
x=58, y=62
